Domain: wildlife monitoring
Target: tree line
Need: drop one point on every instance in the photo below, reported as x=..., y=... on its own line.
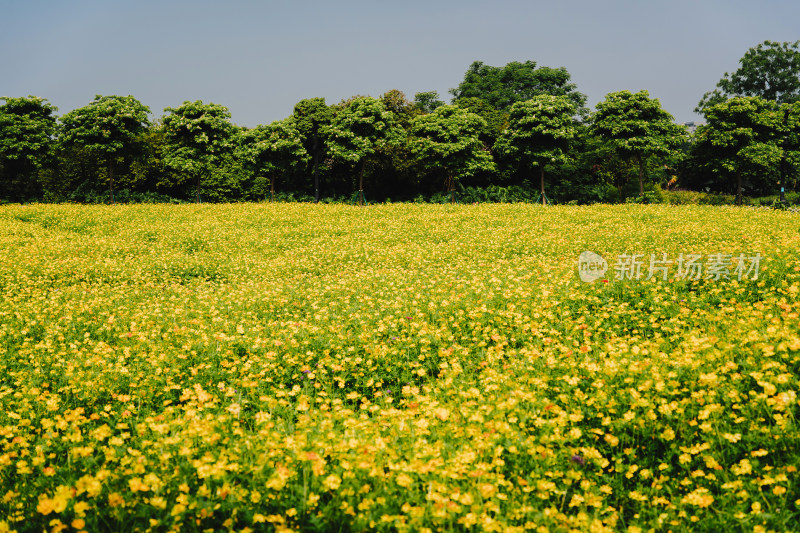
x=519, y=131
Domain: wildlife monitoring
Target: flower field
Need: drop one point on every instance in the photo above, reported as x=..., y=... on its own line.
x=289, y=367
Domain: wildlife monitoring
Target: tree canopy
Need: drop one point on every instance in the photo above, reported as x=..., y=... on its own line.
x=359, y=130
x=502, y=87
x=449, y=140
x=505, y=126
x=273, y=149
x=27, y=128
x=197, y=134
x=636, y=127
x=427, y=101
x=108, y=127
x=739, y=138
x=770, y=70
x=311, y=115
x=539, y=133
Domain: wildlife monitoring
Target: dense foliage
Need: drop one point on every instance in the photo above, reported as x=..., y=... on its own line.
x=392, y=148
x=770, y=70
x=291, y=367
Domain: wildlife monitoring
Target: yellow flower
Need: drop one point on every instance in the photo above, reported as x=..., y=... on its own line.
x=45, y=506
x=742, y=468
x=56, y=504
x=698, y=497
x=332, y=482
x=137, y=485
x=90, y=485
x=404, y=480
x=80, y=508
x=732, y=437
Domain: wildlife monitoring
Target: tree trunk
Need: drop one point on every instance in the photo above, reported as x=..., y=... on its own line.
x=783, y=158
x=641, y=176
x=111, y=181
x=315, y=170
x=619, y=190
x=451, y=187
x=361, y=185
x=738, y=188
x=541, y=184
x=272, y=188
x=197, y=191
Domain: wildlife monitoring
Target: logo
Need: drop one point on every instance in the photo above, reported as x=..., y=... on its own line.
x=591, y=266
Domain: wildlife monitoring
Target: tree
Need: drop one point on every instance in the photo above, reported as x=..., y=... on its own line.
x=273, y=149
x=427, y=101
x=496, y=119
x=449, y=140
x=198, y=137
x=359, y=131
x=109, y=128
x=790, y=143
x=502, y=87
x=611, y=169
x=403, y=110
x=770, y=70
x=741, y=139
x=539, y=133
x=636, y=127
x=310, y=117
x=27, y=127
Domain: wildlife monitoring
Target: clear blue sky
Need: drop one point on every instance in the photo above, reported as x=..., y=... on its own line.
x=259, y=58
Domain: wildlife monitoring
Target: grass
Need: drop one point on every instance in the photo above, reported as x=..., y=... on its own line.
x=394, y=368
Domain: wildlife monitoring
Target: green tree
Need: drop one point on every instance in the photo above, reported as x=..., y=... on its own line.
x=360, y=130
x=637, y=128
x=27, y=127
x=770, y=70
x=428, y=101
x=109, y=128
x=311, y=116
x=539, y=133
x=198, y=139
x=496, y=119
x=448, y=140
x=396, y=102
x=502, y=87
x=741, y=139
x=150, y=171
x=609, y=168
x=272, y=150
x=790, y=143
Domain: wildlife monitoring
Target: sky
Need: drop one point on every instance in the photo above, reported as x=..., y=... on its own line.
x=259, y=58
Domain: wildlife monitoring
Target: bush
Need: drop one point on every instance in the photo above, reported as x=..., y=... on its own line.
x=497, y=194
x=681, y=197
x=790, y=198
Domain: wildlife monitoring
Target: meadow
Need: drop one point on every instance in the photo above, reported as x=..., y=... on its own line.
x=298, y=367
